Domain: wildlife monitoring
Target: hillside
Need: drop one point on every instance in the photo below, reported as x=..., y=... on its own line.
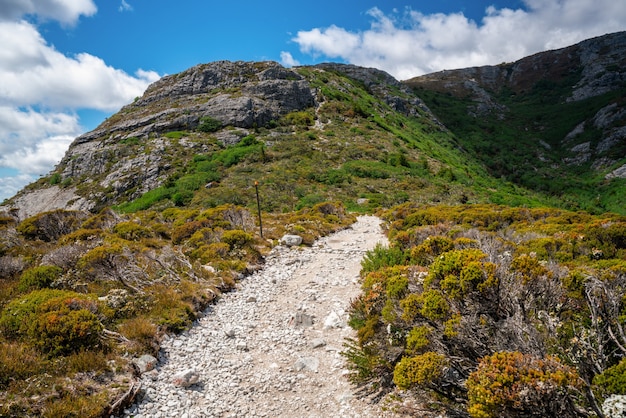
x=307, y=134
x=553, y=122
x=172, y=201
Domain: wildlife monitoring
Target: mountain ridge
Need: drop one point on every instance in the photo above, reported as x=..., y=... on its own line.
x=565, y=106
x=101, y=166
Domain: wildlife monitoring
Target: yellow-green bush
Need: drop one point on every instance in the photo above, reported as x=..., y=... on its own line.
x=424, y=370
x=57, y=322
x=434, y=305
x=132, y=231
x=431, y=247
x=417, y=339
x=39, y=277
x=237, y=238
x=511, y=383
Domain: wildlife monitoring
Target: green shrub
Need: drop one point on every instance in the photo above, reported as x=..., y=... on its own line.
x=209, y=124
x=55, y=179
x=382, y=256
x=423, y=371
x=237, y=238
x=417, y=339
x=132, y=231
x=56, y=321
x=612, y=380
x=434, y=305
x=39, y=277
x=512, y=384
x=66, y=330
x=19, y=314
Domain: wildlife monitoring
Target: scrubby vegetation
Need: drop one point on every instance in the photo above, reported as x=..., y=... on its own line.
x=494, y=311
x=526, y=139
x=81, y=299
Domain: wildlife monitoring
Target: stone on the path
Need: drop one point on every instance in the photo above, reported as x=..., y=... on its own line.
x=291, y=240
x=186, y=378
x=302, y=319
x=145, y=363
x=306, y=363
x=251, y=299
x=242, y=346
x=318, y=342
x=333, y=320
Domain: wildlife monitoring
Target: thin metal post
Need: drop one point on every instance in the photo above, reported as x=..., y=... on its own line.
x=258, y=205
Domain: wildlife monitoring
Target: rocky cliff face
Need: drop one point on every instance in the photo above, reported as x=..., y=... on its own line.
x=585, y=71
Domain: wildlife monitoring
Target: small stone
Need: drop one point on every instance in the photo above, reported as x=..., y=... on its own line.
x=230, y=333
x=251, y=299
x=241, y=345
x=302, y=319
x=145, y=363
x=307, y=363
x=333, y=320
x=318, y=342
x=186, y=378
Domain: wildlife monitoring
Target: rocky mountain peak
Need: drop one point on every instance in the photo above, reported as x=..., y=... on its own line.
x=239, y=94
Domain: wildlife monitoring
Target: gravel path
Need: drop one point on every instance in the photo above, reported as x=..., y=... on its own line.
x=271, y=348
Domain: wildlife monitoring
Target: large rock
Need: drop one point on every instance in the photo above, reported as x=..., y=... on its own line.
x=291, y=240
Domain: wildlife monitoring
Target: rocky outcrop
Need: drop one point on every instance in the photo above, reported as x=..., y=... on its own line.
x=586, y=70
x=598, y=64
x=240, y=94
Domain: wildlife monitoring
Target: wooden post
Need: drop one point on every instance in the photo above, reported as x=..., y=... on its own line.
x=258, y=205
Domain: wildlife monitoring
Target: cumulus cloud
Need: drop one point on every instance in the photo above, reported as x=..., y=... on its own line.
x=33, y=72
x=64, y=11
x=41, y=89
x=288, y=60
x=409, y=43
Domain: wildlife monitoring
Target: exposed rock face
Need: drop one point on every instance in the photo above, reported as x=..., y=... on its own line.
x=240, y=94
x=600, y=61
x=590, y=69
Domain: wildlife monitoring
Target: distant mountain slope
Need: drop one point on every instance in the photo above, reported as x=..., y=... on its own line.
x=554, y=121
x=307, y=134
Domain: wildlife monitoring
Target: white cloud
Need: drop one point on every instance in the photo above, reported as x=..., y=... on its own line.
x=10, y=185
x=41, y=89
x=409, y=43
x=288, y=60
x=64, y=11
x=33, y=72
x=125, y=7
x=26, y=133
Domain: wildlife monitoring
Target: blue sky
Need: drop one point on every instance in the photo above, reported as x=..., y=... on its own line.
x=65, y=65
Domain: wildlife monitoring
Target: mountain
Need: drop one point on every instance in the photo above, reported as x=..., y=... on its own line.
x=554, y=122
x=306, y=134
